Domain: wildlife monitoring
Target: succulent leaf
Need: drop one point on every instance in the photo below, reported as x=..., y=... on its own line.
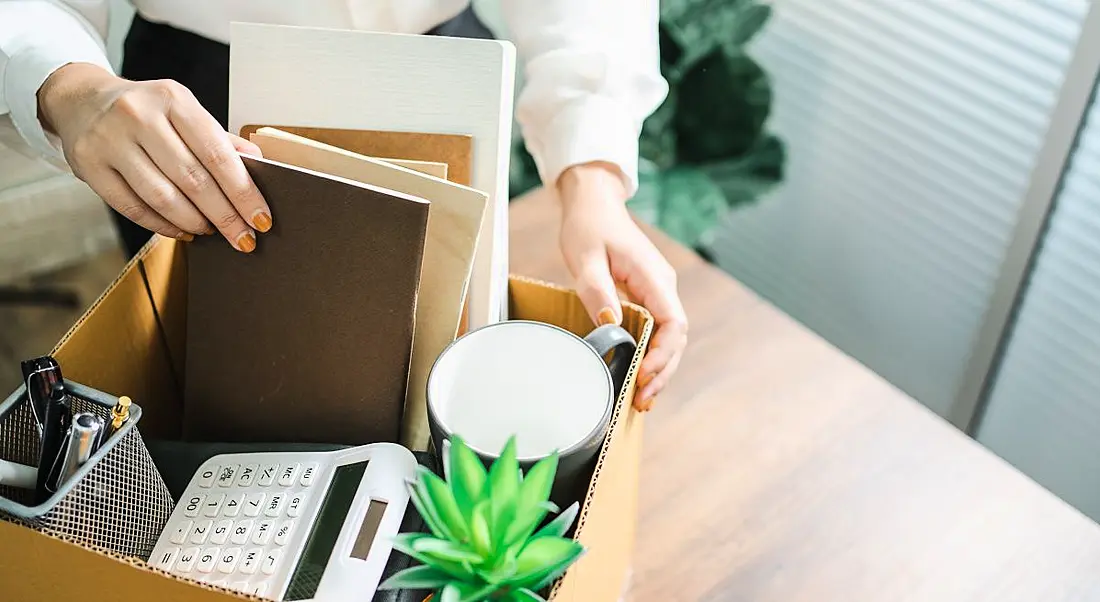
x=504, y=484
x=417, y=577
x=443, y=500
x=467, y=476
x=450, y=593
x=561, y=523
x=427, y=512
x=446, y=550
x=524, y=595
x=480, y=536
x=458, y=570
x=548, y=575
x=529, y=503
x=544, y=554
x=475, y=593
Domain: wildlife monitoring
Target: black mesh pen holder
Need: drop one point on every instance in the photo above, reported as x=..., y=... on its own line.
x=116, y=501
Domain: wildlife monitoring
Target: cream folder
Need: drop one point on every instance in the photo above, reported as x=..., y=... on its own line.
x=431, y=168
x=454, y=221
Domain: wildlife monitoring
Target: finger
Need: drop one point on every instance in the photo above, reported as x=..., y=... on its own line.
x=147, y=180
x=110, y=185
x=653, y=282
x=660, y=363
x=213, y=148
x=596, y=287
x=245, y=146
x=643, y=400
x=177, y=161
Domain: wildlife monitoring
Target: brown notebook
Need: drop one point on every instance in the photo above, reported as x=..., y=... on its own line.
x=308, y=338
x=456, y=150
x=454, y=223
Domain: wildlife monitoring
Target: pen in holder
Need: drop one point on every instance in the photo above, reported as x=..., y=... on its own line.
x=113, y=499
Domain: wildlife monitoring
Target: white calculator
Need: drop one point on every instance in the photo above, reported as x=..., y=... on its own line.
x=291, y=526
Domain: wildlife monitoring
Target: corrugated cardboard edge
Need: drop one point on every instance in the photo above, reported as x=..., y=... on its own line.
x=607, y=521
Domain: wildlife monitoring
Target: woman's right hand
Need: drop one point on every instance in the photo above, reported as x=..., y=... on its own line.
x=152, y=152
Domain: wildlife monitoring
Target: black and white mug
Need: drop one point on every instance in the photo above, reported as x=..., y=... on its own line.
x=550, y=388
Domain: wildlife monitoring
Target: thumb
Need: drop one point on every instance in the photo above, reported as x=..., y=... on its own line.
x=596, y=288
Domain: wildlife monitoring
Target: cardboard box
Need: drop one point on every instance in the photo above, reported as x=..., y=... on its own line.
x=131, y=342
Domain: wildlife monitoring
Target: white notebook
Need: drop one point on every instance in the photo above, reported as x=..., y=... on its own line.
x=313, y=77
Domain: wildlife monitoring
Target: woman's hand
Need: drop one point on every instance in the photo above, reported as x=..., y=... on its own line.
x=153, y=153
x=603, y=247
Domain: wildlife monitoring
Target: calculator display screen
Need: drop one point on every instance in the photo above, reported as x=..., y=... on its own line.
x=325, y=531
x=373, y=519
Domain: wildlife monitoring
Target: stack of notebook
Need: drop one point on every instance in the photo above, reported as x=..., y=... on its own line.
x=386, y=190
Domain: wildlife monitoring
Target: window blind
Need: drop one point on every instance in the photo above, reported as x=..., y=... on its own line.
x=911, y=130
x=1043, y=412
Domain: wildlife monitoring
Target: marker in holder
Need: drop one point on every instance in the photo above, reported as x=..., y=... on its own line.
x=116, y=500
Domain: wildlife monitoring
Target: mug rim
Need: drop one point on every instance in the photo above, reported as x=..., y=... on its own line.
x=609, y=406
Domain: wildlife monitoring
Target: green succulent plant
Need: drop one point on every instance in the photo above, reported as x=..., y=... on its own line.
x=485, y=542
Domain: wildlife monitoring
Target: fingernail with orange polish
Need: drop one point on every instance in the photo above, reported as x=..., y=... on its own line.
x=607, y=316
x=185, y=236
x=645, y=405
x=261, y=220
x=645, y=379
x=246, y=242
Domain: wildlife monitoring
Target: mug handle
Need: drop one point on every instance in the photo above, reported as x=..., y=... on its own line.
x=611, y=337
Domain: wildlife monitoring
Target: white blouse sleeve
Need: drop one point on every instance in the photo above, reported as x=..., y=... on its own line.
x=592, y=76
x=36, y=38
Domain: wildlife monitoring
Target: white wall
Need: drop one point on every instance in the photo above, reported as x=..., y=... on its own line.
x=911, y=128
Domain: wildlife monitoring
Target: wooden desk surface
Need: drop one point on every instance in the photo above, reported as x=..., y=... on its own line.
x=778, y=469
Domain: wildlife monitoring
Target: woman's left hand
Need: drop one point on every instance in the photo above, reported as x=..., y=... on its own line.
x=603, y=247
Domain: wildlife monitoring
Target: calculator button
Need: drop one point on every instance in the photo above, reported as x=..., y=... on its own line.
x=253, y=504
x=186, y=560
x=241, y=531
x=270, y=561
x=275, y=504
x=295, y=504
x=194, y=504
x=213, y=505
x=247, y=475
x=250, y=561
x=220, y=532
x=226, y=475
x=282, y=534
x=232, y=505
x=229, y=560
x=206, y=477
x=179, y=534
x=308, y=472
x=267, y=475
x=212, y=578
x=201, y=532
x=241, y=586
x=290, y=471
x=167, y=558
x=207, y=559
x=260, y=588
x=262, y=534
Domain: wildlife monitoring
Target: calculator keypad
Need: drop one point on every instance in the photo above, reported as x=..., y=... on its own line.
x=229, y=533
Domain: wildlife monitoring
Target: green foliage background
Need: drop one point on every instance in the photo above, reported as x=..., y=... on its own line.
x=706, y=149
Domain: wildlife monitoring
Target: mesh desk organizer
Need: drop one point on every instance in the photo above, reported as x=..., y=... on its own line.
x=116, y=501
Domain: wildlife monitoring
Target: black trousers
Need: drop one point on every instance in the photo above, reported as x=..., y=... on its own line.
x=155, y=51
